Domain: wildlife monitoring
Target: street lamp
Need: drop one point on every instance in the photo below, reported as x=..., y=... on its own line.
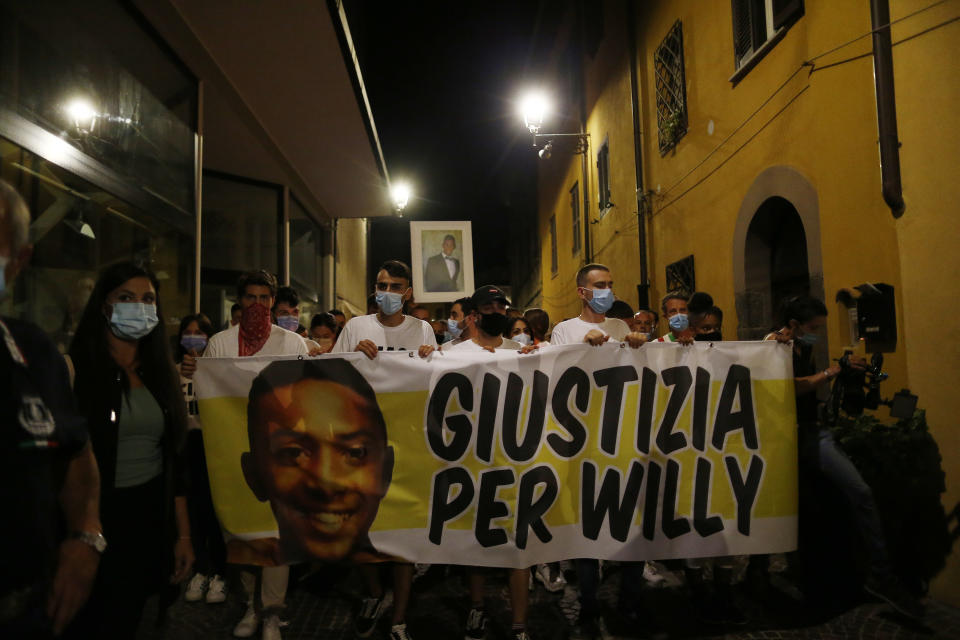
x=400, y=192
x=534, y=106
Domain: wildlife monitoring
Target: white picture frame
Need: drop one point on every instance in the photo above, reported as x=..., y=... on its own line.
x=432, y=281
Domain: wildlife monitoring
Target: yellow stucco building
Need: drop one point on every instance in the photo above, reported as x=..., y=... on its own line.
x=763, y=165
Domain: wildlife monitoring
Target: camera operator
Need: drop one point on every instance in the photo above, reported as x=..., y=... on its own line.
x=803, y=321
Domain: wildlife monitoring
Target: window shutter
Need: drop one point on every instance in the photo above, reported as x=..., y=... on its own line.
x=786, y=11
x=742, y=41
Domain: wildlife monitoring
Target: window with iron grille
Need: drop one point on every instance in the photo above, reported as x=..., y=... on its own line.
x=681, y=276
x=575, y=216
x=603, y=177
x=671, y=89
x=554, y=262
x=757, y=22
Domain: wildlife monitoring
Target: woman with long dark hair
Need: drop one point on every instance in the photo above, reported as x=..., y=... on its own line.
x=128, y=389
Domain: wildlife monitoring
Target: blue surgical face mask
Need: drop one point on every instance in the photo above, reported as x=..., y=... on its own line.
x=193, y=342
x=523, y=339
x=453, y=328
x=808, y=339
x=290, y=323
x=133, y=320
x=389, y=302
x=679, y=322
x=602, y=300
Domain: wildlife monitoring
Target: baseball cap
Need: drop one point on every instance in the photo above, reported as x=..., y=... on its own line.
x=488, y=293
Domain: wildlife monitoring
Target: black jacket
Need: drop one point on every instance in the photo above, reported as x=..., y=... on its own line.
x=99, y=394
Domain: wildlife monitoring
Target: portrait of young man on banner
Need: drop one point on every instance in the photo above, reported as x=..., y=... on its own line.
x=319, y=455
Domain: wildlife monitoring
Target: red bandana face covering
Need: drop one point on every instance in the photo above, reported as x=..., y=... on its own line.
x=254, y=329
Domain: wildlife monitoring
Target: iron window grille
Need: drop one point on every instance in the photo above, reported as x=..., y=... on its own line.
x=671, y=89
x=681, y=276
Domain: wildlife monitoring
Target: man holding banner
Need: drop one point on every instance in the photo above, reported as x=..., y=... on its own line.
x=387, y=330
x=490, y=304
x=595, y=289
x=257, y=335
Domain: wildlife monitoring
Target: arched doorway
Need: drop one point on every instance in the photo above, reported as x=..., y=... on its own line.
x=776, y=248
x=775, y=263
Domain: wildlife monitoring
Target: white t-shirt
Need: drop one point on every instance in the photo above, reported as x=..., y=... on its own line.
x=470, y=345
x=450, y=344
x=281, y=342
x=406, y=336
x=572, y=331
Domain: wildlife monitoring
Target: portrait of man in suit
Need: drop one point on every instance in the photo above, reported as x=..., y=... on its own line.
x=442, y=272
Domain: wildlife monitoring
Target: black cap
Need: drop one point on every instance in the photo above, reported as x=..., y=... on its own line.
x=488, y=293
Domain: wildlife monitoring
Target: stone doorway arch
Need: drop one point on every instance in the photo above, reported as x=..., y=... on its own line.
x=776, y=248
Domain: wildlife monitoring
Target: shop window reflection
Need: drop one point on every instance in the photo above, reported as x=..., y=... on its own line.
x=77, y=230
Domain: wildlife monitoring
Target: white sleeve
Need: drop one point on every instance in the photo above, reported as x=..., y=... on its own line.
x=559, y=335
x=213, y=347
x=429, y=337
x=344, y=341
x=301, y=346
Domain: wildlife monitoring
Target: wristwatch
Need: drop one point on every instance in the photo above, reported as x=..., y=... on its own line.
x=93, y=538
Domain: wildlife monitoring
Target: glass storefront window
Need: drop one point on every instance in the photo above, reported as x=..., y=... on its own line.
x=77, y=230
x=60, y=70
x=240, y=231
x=307, y=246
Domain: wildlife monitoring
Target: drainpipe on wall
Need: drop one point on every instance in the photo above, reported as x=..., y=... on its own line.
x=643, y=291
x=886, y=107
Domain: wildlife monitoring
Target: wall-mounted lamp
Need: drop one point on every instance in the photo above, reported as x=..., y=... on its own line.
x=82, y=113
x=534, y=106
x=400, y=192
x=84, y=117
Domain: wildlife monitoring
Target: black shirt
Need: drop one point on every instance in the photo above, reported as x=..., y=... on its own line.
x=39, y=434
x=807, y=403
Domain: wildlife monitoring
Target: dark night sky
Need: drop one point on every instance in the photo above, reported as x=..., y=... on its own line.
x=443, y=79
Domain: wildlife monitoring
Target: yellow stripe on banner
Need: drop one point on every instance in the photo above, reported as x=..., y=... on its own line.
x=225, y=440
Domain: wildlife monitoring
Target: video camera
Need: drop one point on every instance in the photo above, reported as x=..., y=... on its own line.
x=858, y=388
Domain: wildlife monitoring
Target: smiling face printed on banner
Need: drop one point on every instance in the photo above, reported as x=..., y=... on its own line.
x=319, y=454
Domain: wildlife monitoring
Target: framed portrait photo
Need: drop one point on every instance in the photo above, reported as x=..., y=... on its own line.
x=442, y=257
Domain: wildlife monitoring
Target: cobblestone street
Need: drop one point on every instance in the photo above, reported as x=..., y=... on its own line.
x=322, y=605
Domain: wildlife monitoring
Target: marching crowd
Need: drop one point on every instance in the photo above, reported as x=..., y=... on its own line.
x=105, y=475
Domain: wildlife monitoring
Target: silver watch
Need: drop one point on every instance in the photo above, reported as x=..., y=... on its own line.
x=93, y=538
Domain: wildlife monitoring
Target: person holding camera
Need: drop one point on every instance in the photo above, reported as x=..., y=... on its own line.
x=803, y=320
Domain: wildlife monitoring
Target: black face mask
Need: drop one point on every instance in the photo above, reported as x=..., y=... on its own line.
x=713, y=336
x=493, y=324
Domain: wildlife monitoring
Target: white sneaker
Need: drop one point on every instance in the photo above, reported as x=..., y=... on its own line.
x=216, y=590
x=248, y=623
x=659, y=576
x=551, y=577
x=195, y=588
x=399, y=632
x=420, y=569
x=271, y=627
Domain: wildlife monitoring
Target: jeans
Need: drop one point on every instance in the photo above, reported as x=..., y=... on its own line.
x=834, y=465
x=588, y=577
